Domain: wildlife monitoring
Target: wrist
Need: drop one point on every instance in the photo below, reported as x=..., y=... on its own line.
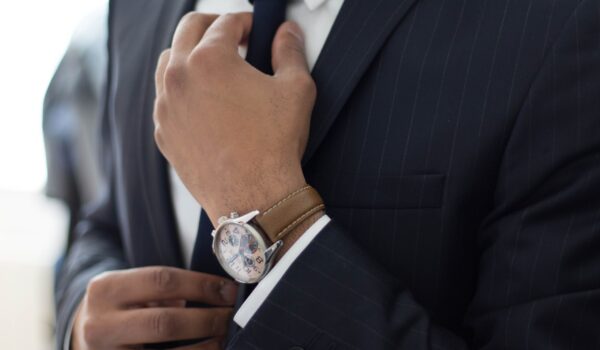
x=256, y=193
x=261, y=239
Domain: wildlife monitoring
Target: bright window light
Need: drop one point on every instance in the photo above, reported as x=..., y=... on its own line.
x=34, y=35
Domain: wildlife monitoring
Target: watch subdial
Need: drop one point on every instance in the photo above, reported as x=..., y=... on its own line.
x=248, y=244
x=233, y=240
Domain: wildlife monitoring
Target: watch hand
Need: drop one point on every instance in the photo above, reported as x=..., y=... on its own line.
x=232, y=259
x=243, y=244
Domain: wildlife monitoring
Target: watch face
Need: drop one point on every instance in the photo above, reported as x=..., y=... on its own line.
x=241, y=251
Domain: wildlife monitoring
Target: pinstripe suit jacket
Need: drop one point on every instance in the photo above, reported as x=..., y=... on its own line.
x=457, y=146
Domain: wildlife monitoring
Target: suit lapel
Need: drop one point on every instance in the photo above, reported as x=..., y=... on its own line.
x=358, y=33
x=163, y=16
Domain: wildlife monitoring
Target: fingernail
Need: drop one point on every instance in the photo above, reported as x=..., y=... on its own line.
x=295, y=30
x=228, y=291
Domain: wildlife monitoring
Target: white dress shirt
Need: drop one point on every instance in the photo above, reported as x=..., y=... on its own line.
x=316, y=18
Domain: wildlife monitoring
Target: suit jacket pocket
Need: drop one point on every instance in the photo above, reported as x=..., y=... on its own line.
x=386, y=192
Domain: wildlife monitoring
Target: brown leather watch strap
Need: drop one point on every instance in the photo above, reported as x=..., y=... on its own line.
x=289, y=212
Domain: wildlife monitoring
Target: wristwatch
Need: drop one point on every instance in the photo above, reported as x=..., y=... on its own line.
x=246, y=245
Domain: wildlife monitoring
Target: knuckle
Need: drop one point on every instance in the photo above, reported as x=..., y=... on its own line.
x=233, y=21
x=199, y=56
x=206, y=289
x=189, y=17
x=230, y=17
x=163, y=324
x=164, y=279
x=205, y=20
x=174, y=77
x=97, y=286
x=160, y=111
x=195, y=18
x=92, y=332
x=164, y=56
x=163, y=59
x=304, y=82
x=205, y=57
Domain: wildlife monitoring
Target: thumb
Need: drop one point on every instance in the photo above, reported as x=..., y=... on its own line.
x=288, y=52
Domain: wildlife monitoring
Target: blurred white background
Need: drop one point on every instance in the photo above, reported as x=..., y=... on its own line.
x=33, y=36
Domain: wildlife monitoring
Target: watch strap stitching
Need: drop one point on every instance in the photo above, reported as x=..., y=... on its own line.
x=296, y=222
x=289, y=196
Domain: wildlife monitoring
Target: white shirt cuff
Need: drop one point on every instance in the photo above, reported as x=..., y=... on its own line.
x=264, y=288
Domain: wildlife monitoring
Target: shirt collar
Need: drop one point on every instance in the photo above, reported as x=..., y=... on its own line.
x=314, y=4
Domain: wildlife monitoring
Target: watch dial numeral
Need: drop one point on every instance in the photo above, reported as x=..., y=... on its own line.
x=248, y=261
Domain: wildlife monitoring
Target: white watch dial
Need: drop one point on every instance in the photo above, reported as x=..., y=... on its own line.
x=241, y=252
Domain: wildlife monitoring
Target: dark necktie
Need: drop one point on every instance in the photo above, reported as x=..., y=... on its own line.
x=268, y=16
x=203, y=259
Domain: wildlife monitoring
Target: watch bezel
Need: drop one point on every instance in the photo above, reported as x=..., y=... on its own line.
x=262, y=246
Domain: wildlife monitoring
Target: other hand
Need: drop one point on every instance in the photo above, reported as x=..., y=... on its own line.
x=126, y=309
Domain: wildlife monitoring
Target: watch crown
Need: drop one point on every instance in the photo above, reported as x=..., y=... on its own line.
x=234, y=215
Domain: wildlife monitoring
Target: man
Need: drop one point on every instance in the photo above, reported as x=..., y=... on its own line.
x=455, y=146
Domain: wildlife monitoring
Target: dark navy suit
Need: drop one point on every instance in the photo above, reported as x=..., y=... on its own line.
x=456, y=144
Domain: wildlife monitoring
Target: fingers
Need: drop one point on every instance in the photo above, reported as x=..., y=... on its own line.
x=151, y=284
x=159, y=77
x=190, y=31
x=288, y=52
x=170, y=324
x=228, y=31
x=211, y=344
x=196, y=30
x=289, y=63
x=165, y=303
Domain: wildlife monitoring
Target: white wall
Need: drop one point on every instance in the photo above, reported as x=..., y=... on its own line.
x=31, y=237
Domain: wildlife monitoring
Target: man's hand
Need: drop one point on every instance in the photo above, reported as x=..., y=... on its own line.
x=234, y=135
x=129, y=308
